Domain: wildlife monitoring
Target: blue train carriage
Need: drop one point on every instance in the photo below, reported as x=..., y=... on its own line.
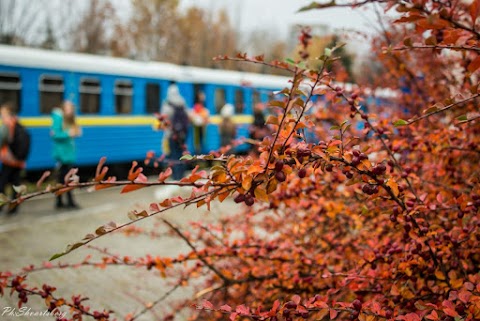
x=114, y=97
x=115, y=100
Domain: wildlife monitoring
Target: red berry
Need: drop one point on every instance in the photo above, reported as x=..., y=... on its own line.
x=279, y=165
x=355, y=160
x=290, y=305
x=357, y=305
x=367, y=189
x=280, y=176
x=302, y=173
x=249, y=200
x=239, y=198
x=329, y=167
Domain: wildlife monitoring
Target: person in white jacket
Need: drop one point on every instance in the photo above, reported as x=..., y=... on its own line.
x=175, y=135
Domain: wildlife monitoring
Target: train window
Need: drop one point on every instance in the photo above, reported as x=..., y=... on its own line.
x=256, y=97
x=199, y=94
x=90, y=96
x=239, y=101
x=51, y=93
x=10, y=87
x=152, y=98
x=123, y=96
x=220, y=99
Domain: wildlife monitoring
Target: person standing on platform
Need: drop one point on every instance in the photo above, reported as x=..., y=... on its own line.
x=227, y=128
x=175, y=109
x=15, y=146
x=200, y=116
x=64, y=131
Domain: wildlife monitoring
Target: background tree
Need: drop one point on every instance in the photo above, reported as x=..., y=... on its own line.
x=92, y=32
x=316, y=48
x=20, y=23
x=153, y=26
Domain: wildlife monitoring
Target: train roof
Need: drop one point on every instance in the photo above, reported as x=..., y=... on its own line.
x=87, y=63
x=78, y=62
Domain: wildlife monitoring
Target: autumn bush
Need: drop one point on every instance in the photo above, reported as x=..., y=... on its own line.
x=346, y=213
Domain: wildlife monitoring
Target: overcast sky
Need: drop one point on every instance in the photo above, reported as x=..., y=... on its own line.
x=280, y=14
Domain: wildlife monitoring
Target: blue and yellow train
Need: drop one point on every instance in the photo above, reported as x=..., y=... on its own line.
x=116, y=99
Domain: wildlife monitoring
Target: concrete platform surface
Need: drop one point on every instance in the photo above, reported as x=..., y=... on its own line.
x=38, y=230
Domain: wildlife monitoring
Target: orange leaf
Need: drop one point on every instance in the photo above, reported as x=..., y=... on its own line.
x=433, y=316
x=321, y=314
x=247, y=182
x=223, y=196
x=164, y=175
x=474, y=65
x=133, y=173
x=393, y=186
x=449, y=309
x=207, y=305
x=103, y=186
x=226, y=308
x=131, y=187
x=63, y=190
x=333, y=314
x=464, y=296
x=412, y=317
x=261, y=194
x=474, y=10
x=100, y=173
x=272, y=120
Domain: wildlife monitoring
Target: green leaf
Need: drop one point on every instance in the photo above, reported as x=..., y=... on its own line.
x=462, y=118
x=69, y=249
x=302, y=65
x=344, y=130
x=21, y=189
x=56, y=256
x=290, y=61
x=431, y=110
x=272, y=120
x=400, y=123
x=187, y=157
x=339, y=45
x=277, y=103
x=3, y=199
x=315, y=5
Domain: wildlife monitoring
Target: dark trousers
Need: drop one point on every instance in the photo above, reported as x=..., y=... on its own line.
x=64, y=169
x=176, y=151
x=198, y=134
x=9, y=174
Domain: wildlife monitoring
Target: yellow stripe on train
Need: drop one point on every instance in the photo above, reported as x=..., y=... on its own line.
x=122, y=121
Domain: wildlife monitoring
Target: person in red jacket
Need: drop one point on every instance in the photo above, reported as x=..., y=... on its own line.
x=11, y=166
